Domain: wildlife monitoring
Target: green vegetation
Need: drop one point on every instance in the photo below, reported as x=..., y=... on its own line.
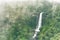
x=23, y=21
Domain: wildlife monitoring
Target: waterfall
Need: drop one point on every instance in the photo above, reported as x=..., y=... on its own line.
x=38, y=26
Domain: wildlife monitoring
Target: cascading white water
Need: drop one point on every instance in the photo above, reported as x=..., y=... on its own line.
x=38, y=26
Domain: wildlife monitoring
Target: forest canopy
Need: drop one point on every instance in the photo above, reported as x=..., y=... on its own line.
x=20, y=22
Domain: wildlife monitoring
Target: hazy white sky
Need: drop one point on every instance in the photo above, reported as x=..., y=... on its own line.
x=58, y=1
x=27, y=0
x=3, y=1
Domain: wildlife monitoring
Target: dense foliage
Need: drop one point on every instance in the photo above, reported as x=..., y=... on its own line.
x=23, y=21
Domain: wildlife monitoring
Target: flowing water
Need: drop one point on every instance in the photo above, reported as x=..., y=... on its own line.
x=38, y=26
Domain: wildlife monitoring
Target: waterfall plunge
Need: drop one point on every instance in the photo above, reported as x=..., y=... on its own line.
x=38, y=26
